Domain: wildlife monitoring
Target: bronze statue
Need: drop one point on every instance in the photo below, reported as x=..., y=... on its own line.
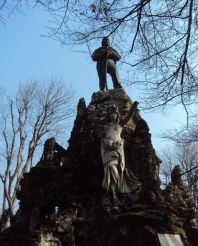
x=106, y=58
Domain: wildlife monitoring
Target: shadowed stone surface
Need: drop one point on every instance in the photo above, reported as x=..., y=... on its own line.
x=62, y=201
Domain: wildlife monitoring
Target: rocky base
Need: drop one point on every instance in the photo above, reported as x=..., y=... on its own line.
x=93, y=225
x=62, y=201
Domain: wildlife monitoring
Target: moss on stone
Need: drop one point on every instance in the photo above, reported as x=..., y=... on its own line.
x=150, y=230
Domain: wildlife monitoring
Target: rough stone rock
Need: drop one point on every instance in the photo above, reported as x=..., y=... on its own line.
x=140, y=156
x=177, y=195
x=65, y=205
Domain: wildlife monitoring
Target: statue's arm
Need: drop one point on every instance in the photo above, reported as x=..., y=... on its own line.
x=130, y=114
x=114, y=55
x=108, y=144
x=99, y=54
x=95, y=56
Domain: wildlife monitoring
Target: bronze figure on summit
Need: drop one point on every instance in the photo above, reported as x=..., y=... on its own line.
x=106, y=58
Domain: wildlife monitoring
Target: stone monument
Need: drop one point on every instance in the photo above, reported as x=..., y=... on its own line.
x=104, y=189
x=117, y=178
x=106, y=58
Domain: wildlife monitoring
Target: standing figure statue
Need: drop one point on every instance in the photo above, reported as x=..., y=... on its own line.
x=117, y=179
x=106, y=58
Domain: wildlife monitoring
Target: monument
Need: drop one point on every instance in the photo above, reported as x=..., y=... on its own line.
x=104, y=189
x=106, y=58
x=116, y=176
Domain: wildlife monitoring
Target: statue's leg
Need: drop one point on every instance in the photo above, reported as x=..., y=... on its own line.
x=112, y=70
x=114, y=175
x=114, y=183
x=101, y=69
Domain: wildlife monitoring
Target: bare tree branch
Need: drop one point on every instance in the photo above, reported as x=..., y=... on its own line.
x=38, y=110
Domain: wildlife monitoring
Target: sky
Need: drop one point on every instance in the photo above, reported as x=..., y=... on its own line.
x=26, y=54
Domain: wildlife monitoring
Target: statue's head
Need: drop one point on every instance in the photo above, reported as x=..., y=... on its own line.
x=176, y=176
x=105, y=41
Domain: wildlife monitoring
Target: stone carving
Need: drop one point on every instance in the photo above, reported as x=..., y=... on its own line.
x=179, y=197
x=142, y=126
x=170, y=240
x=52, y=153
x=81, y=108
x=116, y=177
x=66, y=205
x=49, y=240
x=106, y=58
x=176, y=176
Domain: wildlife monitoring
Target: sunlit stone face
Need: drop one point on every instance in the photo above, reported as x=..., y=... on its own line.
x=49, y=240
x=170, y=240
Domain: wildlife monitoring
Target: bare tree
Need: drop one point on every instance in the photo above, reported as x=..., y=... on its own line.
x=39, y=110
x=157, y=37
x=188, y=158
x=185, y=134
x=167, y=165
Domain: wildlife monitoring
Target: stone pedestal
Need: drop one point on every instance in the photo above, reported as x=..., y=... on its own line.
x=67, y=203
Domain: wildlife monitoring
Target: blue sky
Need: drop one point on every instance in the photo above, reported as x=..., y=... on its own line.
x=26, y=55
